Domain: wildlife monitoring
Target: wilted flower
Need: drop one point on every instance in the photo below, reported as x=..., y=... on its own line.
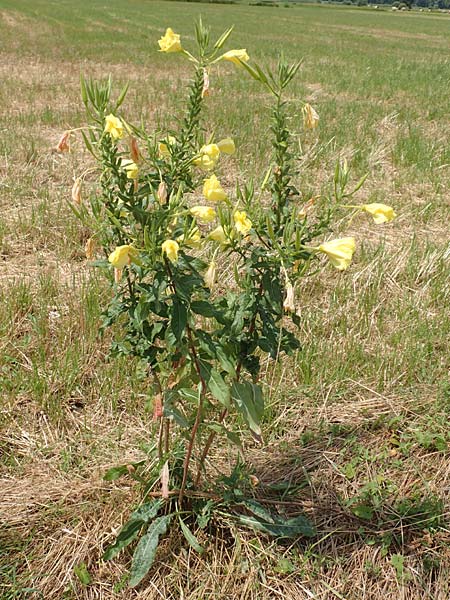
x=205, y=90
x=162, y=192
x=203, y=213
x=122, y=256
x=130, y=168
x=134, y=150
x=289, y=301
x=235, y=56
x=227, y=146
x=310, y=117
x=339, y=251
x=209, y=155
x=170, y=249
x=381, y=213
x=212, y=190
x=170, y=42
x=76, y=191
x=241, y=222
x=90, y=248
x=218, y=235
x=117, y=275
x=210, y=275
x=114, y=126
x=63, y=144
x=163, y=147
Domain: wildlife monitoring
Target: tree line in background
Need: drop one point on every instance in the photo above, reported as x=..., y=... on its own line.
x=405, y=4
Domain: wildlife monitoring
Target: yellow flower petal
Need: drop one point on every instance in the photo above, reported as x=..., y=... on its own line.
x=226, y=146
x=235, y=56
x=113, y=126
x=212, y=190
x=170, y=249
x=170, y=42
x=241, y=222
x=381, y=213
x=203, y=213
x=340, y=251
x=122, y=256
x=218, y=235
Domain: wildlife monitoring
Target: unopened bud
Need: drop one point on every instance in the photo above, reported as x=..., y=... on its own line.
x=63, y=144
x=205, y=90
x=134, y=150
x=162, y=192
x=76, y=191
x=117, y=275
x=90, y=248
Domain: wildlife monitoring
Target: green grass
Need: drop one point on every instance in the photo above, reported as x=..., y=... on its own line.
x=356, y=425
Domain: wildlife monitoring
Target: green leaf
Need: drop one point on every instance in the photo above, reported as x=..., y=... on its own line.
x=276, y=526
x=223, y=38
x=122, y=95
x=190, y=537
x=145, y=552
x=250, y=402
x=130, y=530
x=82, y=573
x=128, y=533
x=363, y=511
x=179, y=318
x=231, y=435
x=219, y=389
x=116, y=472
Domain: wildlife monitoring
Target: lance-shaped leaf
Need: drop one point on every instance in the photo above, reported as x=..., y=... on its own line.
x=145, y=552
x=250, y=402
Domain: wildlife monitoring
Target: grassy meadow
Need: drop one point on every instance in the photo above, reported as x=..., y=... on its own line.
x=356, y=431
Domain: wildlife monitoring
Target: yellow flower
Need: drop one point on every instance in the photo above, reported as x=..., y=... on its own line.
x=227, y=146
x=203, y=213
x=122, y=256
x=209, y=155
x=113, y=126
x=170, y=42
x=194, y=239
x=163, y=147
x=210, y=275
x=130, y=168
x=241, y=222
x=235, y=56
x=289, y=301
x=218, y=235
x=310, y=117
x=170, y=249
x=381, y=213
x=339, y=251
x=212, y=190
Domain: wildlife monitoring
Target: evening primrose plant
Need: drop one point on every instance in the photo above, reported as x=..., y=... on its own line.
x=167, y=231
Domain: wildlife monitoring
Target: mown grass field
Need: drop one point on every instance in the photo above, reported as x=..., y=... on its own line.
x=356, y=429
